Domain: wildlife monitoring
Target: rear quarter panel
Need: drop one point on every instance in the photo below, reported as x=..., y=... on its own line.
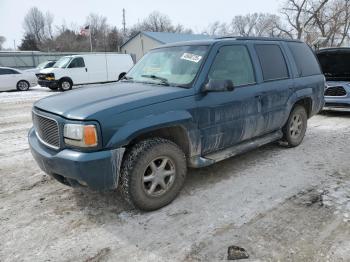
x=96, y=65
x=117, y=64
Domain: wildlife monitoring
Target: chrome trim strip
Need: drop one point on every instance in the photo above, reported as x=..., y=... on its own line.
x=58, y=131
x=46, y=144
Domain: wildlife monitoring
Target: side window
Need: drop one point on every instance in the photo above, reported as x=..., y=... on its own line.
x=2, y=71
x=7, y=71
x=272, y=62
x=77, y=62
x=50, y=64
x=304, y=59
x=233, y=63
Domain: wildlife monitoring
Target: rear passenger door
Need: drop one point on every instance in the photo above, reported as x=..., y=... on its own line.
x=227, y=118
x=276, y=86
x=8, y=79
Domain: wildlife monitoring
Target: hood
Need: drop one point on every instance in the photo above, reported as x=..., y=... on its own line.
x=88, y=102
x=49, y=70
x=335, y=63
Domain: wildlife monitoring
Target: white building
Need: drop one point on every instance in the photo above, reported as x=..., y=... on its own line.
x=143, y=41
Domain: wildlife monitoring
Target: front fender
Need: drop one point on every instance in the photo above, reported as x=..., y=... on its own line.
x=136, y=127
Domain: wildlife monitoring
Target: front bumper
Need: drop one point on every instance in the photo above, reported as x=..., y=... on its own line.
x=341, y=102
x=337, y=104
x=98, y=170
x=48, y=83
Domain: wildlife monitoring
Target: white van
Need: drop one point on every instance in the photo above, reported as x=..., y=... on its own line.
x=85, y=69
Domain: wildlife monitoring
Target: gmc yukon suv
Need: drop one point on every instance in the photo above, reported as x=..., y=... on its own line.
x=183, y=105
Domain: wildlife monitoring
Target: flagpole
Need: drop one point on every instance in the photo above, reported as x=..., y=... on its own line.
x=90, y=30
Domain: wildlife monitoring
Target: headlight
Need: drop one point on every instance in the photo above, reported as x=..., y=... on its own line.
x=50, y=76
x=80, y=135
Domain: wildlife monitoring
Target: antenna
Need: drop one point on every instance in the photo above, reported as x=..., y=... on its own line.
x=124, y=23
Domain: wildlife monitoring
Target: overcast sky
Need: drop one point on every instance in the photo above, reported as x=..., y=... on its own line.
x=195, y=14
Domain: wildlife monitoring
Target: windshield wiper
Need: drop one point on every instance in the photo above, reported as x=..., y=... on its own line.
x=162, y=79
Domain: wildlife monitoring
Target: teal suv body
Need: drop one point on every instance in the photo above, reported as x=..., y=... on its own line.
x=183, y=105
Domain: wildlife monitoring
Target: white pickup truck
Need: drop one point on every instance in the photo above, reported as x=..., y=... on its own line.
x=85, y=69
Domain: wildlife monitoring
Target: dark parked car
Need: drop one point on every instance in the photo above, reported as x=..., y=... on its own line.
x=189, y=104
x=335, y=64
x=43, y=65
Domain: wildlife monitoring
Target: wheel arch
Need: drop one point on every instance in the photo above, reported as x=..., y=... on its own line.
x=66, y=78
x=176, y=126
x=121, y=75
x=24, y=80
x=306, y=102
x=302, y=97
x=176, y=134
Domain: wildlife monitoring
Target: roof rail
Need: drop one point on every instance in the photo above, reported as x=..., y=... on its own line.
x=257, y=38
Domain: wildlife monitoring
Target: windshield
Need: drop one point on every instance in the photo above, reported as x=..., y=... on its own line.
x=335, y=65
x=42, y=65
x=62, y=62
x=176, y=66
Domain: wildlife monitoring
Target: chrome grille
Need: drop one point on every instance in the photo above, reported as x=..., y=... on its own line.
x=47, y=130
x=335, y=91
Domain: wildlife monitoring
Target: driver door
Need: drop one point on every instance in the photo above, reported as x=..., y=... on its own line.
x=77, y=71
x=230, y=117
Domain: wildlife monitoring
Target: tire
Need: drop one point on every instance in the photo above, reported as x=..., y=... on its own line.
x=145, y=166
x=295, y=128
x=65, y=84
x=23, y=85
x=121, y=75
x=54, y=88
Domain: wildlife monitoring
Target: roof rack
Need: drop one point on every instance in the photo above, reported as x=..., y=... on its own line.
x=257, y=38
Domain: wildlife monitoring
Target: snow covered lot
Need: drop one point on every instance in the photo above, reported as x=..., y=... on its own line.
x=279, y=204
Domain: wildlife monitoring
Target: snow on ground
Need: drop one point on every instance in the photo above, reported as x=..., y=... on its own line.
x=277, y=203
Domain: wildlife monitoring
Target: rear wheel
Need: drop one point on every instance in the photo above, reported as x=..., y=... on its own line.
x=295, y=128
x=22, y=85
x=153, y=173
x=65, y=84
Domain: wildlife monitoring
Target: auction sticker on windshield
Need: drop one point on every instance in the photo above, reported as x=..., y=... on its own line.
x=191, y=57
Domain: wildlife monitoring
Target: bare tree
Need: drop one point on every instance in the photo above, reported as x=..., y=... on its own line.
x=34, y=24
x=98, y=30
x=157, y=22
x=300, y=14
x=2, y=41
x=48, y=25
x=332, y=23
x=256, y=24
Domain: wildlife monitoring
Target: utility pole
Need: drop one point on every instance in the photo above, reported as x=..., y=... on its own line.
x=14, y=45
x=124, y=23
x=90, y=33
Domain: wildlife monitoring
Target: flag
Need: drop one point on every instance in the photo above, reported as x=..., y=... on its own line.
x=85, y=31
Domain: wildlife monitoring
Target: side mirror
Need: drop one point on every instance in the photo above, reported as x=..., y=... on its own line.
x=218, y=86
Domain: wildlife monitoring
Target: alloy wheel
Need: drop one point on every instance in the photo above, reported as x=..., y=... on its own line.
x=159, y=176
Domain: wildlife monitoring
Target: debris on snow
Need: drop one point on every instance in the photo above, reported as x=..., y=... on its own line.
x=236, y=252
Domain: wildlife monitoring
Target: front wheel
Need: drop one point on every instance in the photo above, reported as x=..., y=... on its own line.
x=153, y=173
x=22, y=85
x=295, y=128
x=65, y=85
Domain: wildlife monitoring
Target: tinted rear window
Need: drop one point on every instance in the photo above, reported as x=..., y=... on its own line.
x=6, y=71
x=272, y=62
x=305, y=59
